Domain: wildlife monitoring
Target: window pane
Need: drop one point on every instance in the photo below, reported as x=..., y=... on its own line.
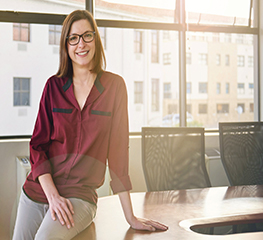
x=155, y=95
x=24, y=99
x=202, y=87
x=54, y=34
x=188, y=87
x=25, y=33
x=167, y=90
x=138, y=92
x=137, y=41
x=16, y=31
x=155, y=46
x=218, y=88
x=222, y=108
x=61, y=7
x=25, y=84
x=16, y=84
x=227, y=88
x=16, y=100
x=225, y=12
x=202, y=108
x=136, y=10
x=222, y=87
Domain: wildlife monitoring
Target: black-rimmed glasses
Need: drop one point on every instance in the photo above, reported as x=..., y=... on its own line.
x=86, y=36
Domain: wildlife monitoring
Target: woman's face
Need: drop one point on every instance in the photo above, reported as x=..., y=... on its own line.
x=82, y=53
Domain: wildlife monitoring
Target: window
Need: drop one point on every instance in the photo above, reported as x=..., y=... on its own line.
x=240, y=39
x=241, y=88
x=155, y=95
x=188, y=87
x=228, y=38
x=250, y=61
x=137, y=41
x=54, y=34
x=138, y=92
x=21, y=91
x=218, y=59
x=241, y=107
x=202, y=60
x=251, y=88
x=155, y=46
x=227, y=88
x=21, y=32
x=251, y=107
x=216, y=37
x=218, y=88
x=189, y=108
x=188, y=58
x=202, y=108
x=167, y=90
x=167, y=58
x=240, y=61
x=201, y=37
x=202, y=87
x=222, y=108
x=102, y=31
x=227, y=62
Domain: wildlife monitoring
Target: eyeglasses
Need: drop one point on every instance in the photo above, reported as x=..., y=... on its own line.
x=75, y=38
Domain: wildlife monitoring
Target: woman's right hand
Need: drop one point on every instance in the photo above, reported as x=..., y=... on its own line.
x=59, y=206
x=62, y=209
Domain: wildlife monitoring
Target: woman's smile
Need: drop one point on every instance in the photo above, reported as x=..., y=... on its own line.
x=82, y=53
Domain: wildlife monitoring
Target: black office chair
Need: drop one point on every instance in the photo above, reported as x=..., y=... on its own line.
x=173, y=158
x=241, y=150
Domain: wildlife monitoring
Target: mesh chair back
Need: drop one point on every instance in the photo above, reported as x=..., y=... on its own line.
x=173, y=158
x=241, y=149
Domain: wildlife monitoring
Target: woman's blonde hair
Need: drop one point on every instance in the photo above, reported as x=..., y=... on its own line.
x=65, y=63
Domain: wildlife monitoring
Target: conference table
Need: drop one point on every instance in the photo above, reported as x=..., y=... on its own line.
x=183, y=211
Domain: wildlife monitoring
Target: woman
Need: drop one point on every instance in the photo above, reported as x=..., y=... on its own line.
x=82, y=121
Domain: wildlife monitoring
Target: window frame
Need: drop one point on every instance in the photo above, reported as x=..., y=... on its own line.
x=138, y=92
x=21, y=27
x=21, y=91
x=155, y=46
x=55, y=31
x=167, y=94
x=202, y=87
x=224, y=108
x=138, y=41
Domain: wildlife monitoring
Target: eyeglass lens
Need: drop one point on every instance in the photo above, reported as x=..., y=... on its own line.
x=75, y=38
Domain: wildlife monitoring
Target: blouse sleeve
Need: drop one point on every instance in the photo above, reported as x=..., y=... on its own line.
x=41, y=137
x=118, y=154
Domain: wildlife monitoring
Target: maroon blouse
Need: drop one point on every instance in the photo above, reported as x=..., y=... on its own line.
x=74, y=145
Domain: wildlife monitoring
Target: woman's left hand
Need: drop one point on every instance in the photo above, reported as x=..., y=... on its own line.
x=147, y=224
